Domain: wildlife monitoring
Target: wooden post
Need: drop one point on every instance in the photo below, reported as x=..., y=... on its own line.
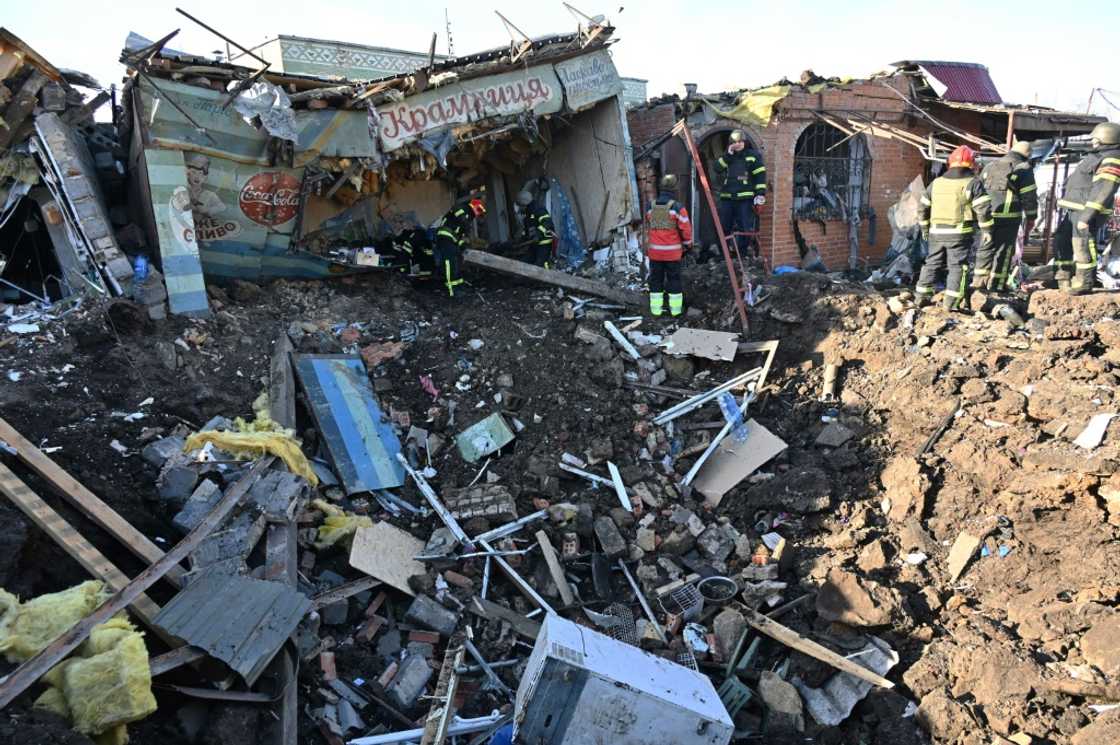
x=549, y=276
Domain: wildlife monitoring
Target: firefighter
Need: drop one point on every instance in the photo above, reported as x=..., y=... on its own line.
x=416, y=244
x=451, y=238
x=670, y=234
x=1086, y=204
x=538, y=229
x=1009, y=181
x=952, y=208
x=744, y=186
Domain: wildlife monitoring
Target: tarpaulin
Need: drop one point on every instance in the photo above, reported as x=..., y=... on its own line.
x=753, y=107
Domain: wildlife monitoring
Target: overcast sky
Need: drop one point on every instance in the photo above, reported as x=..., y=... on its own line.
x=1036, y=52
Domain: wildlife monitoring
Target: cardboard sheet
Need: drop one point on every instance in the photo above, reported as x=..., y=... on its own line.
x=711, y=345
x=734, y=461
x=386, y=553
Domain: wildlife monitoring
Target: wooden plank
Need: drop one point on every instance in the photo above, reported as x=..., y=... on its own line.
x=30, y=671
x=551, y=277
x=443, y=701
x=281, y=384
x=21, y=106
x=281, y=559
x=527, y=627
x=86, y=502
x=792, y=639
x=175, y=659
x=343, y=592
x=554, y=568
x=73, y=543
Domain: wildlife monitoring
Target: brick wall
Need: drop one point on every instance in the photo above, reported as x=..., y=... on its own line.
x=648, y=124
x=894, y=165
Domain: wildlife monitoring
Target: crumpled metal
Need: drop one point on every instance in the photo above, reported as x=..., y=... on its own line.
x=272, y=105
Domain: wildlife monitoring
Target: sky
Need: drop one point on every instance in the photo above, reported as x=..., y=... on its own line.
x=1036, y=54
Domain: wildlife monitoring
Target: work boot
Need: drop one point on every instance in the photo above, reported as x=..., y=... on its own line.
x=656, y=303
x=1062, y=278
x=676, y=304
x=1081, y=285
x=922, y=300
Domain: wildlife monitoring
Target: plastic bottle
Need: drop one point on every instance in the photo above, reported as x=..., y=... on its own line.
x=733, y=416
x=140, y=268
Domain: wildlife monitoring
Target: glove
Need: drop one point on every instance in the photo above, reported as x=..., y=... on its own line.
x=1082, y=226
x=760, y=200
x=925, y=236
x=985, y=239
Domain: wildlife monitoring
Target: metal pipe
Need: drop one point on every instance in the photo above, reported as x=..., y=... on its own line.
x=433, y=500
x=714, y=444
x=525, y=588
x=492, y=677
x=458, y=727
x=619, y=487
x=699, y=400
x=642, y=599
x=510, y=528
x=586, y=474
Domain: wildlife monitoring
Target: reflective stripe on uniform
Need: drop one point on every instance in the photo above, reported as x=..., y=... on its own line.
x=1070, y=205
x=922, y=290
x=1030, y=188
x=958, y=230
x=676, y=303
x=760, y=169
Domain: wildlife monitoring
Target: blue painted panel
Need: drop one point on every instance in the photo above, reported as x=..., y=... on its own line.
x=359, y=437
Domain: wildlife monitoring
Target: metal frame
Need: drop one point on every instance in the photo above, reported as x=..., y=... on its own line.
x=822, y=147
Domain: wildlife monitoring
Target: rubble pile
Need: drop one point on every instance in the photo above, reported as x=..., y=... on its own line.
x=934, y=516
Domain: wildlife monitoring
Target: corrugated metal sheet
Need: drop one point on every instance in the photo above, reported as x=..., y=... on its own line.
x=238, y=620
x=964, y=81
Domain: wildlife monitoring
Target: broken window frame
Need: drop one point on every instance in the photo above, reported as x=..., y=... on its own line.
x=845, y=161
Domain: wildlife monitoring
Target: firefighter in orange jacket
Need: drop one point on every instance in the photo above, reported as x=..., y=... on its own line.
x=670, y=234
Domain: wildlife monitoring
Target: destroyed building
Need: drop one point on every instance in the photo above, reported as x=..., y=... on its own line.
x=318, y=502
x=839, y=152
x=335, y=165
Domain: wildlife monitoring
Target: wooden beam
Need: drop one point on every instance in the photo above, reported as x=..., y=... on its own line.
x=527, y=627
x=30, y=671
x=554, y=568
x=551, y=277
x=86, y=501
x=175, y=659
x=281, y=566
x=792, y=639
x=21, y=106
x=73, y=543
x=343, y=592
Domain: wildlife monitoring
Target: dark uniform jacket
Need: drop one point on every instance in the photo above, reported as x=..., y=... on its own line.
x=744, y=175
x=1009, y=181
x=1091, y=188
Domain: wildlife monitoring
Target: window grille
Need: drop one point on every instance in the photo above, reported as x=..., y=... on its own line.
x=831, y=175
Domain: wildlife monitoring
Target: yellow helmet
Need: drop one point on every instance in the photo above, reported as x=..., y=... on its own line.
x=738, y=135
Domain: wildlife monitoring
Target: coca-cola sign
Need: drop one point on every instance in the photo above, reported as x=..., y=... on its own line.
x=270, y=198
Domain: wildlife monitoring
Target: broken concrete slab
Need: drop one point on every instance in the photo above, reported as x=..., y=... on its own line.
x=386, y=553
x=409, y=682
x=717, y=542
x=804, y=490
x=428, y=613
x=609, y=537
x=205, y=496
x=834, y=435
x=784, y=708
x=484, y=438
x=177, y=481
x=160, y=451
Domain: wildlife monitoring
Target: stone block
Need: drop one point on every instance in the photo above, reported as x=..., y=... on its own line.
x=426, y=612
x=201, y=501
x=157, y=453
x=609, y=536
x=410, y=681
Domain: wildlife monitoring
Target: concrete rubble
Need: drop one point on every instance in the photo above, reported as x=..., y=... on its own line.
x=856, y=520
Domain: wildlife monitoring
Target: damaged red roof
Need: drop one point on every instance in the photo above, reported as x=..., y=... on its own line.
x=965, y=82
